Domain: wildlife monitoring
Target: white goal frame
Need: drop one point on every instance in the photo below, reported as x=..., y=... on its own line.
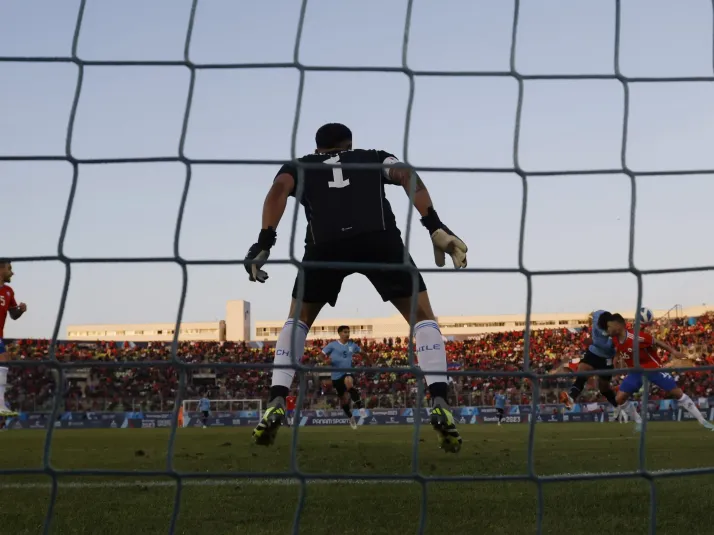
x=225, y=405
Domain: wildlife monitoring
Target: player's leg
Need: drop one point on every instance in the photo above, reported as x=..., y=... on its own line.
x=349, y=384
x=500, y=415
x=321, y=286
x=4, y=409
x=431, y=355
x=355, y=395
x=343, y=386
x=666, y=382
x=292, y=332
x=630, y=384
x=588, y=363
x=398, y=287
x=340, y=386
x=605, y=386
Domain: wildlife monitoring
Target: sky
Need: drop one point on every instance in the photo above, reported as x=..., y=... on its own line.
x=573, y=221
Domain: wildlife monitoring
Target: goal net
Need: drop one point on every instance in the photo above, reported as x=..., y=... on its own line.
x=383, y=482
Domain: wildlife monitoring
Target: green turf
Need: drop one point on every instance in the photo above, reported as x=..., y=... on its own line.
x=685, y=504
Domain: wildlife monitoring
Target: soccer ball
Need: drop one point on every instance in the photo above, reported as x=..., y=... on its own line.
x=646, y=316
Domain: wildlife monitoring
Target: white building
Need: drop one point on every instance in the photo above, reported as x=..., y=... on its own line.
x=237, y=326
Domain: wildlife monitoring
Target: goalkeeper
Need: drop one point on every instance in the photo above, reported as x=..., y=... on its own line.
x=349, y=219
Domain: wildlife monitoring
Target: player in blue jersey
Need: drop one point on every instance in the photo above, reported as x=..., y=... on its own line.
x=204, y=407
x=499, y=401
x=340, y=352
x=598, y=356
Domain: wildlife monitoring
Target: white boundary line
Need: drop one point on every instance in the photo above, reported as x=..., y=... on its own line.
x=237, y=482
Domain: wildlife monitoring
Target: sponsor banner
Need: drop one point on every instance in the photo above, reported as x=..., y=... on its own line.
x=462, y=415
x=216, y=422
x=67, y=424
x=661, y=416
x=547, y=418
x=156, y=415
x=581, y=417
x=162, y=422
x=388, y=412
x=507, y=419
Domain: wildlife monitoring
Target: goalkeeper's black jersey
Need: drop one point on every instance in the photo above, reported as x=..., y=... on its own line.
x=341, y=202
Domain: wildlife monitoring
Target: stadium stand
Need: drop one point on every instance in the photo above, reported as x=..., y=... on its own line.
x=115, y=389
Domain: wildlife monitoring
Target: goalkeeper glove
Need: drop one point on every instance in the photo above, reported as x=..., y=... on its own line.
x=445, y=242
x=258, y=254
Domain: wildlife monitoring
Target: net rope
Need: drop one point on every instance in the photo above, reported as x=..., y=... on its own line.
x=295, y=473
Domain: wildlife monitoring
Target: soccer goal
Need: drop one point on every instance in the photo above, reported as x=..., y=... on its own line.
x=226, y=406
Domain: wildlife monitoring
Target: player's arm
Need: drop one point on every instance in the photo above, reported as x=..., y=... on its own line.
x=277, y=199
x=404, y=177
x=15, y=310
x=444, y=240
x=273, y=209
x=327, y=351
x=672, y=351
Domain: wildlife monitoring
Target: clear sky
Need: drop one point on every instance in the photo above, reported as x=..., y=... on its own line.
x=573, y=221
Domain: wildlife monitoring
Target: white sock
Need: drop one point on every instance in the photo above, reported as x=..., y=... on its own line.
x=629, y=409
x=284, y=376
x=430, y=351
x=3, y=382
x=686, y=402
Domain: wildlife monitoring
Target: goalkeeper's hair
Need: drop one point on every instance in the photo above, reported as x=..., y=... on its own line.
x=342, y=328
x=5, y=261
x=333, y=136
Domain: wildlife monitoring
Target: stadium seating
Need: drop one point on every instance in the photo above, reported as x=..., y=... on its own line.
x=155, y=388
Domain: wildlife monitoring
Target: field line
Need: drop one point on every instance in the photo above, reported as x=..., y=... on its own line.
x=221, y=482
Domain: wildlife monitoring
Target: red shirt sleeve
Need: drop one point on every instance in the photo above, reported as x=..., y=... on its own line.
x=646, y=340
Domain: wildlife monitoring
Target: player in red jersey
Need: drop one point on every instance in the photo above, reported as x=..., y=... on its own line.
x=290, y=407
x=8, y=306
x=624, y=340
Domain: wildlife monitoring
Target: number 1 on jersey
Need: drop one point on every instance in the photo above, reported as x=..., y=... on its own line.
x=338, y=178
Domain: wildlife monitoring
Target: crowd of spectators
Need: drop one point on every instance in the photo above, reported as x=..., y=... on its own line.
x=102, y=387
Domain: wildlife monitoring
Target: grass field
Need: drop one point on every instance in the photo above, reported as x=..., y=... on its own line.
x=91, y=505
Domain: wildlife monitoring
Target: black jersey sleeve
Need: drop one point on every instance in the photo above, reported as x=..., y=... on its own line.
x=289, y=169
x=386, y=157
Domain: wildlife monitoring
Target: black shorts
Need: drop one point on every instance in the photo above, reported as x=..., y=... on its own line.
x=499, y=411
x=598, y=363
x=339, y=384
x=205, y=414
x=323, y=285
